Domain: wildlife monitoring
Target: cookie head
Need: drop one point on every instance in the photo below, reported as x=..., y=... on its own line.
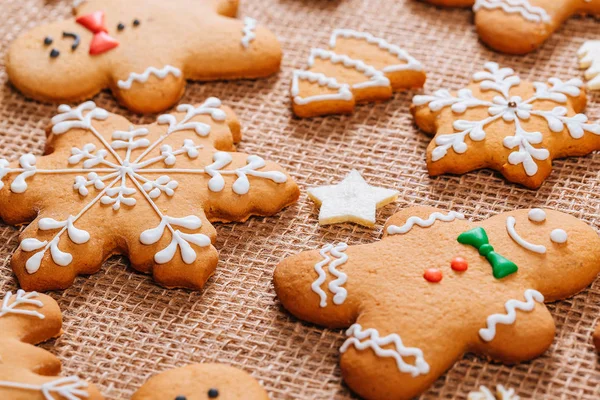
x=202, y=382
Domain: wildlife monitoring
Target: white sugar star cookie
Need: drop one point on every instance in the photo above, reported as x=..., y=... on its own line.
x=352, y=200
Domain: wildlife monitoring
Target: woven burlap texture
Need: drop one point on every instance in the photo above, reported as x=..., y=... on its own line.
x=121, y=328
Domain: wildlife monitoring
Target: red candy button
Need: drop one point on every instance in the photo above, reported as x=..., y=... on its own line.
x=433, y=275
x=459, y=264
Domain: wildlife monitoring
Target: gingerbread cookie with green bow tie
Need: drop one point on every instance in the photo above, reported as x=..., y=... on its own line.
x=28, y=372
x=501, y=122
x=521, y=26
x=437, y=286
x=143, y=50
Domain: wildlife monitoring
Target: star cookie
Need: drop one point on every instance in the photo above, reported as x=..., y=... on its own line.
x=521, y=26
x=357, y=68
x=143, y=50
x=512, y=126
x=28, y=372
x=352, y=200
x=109, y=187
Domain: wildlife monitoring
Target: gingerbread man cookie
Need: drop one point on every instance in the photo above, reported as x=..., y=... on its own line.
x=438, y=286
x=143, y=50
x=521, y=26
x=357, y=68
x=200, y=382
x=28, y=372
x=108, y=187
x=512, y=126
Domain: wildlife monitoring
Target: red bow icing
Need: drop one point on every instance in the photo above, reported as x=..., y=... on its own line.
x=102, y=41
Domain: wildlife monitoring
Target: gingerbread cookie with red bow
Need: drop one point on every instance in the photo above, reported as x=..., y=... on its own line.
x=202, y=381
x=28, y=372
x=437, y=286
x=109, y=187
x=143, y=50
x=521, y=26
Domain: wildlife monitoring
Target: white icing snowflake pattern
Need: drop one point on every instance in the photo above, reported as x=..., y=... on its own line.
x=526, y=146
x=114, y=179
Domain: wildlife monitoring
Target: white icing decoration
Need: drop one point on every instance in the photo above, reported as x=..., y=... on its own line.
x=370, y=338
x=118, y=178
x=161, y=73
x=248, y=31
x=412, y=221
x=512, y=232
x=531, y=296
x=537, y=215
x=343, y=94
x=376, y=77
x=22, y=298
x=589, y=58
x=410, y=63
x=70, y=388
x=559, y=236
x=335, y=286
x=521, y=7
x=511, y=109
x=486, y=394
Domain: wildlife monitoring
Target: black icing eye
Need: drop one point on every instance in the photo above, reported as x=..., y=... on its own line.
x=48, y=41
x=180, y=398
x=136, y=22
x=121, y=26
x=54, y=53
x=213, y=393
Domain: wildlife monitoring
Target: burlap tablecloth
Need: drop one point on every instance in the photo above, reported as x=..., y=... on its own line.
x=121, y=328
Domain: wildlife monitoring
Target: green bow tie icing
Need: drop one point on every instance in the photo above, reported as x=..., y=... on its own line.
x=501, y=266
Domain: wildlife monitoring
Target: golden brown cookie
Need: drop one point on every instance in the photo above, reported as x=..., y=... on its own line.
x=143, y=50
x=514, y=127
x=357, y=68
x=108, y=187
x=596, y=337
x=521, y=26
x=437, y=286
x=28, y=372
x=202, y=382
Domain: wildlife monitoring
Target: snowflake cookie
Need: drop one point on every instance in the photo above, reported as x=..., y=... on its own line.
x=108, y=187
x=512, y=126
x=202, y=381
x=357, y=68
x=143, y=50
x=27, y=372
x=521, y=26
x=437, y=286
x=486, y=394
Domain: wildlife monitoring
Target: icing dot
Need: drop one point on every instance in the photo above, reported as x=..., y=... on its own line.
x=121, y=26
x=559, y=236
x=459, y=264
x=213, y=393
x=48, y=41
x=136, y=22
x=433, y=275
x=537, y=215
x=54, y=53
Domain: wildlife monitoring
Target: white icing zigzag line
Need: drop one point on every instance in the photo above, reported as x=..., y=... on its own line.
x=143, y=77
x=411, y=63
x=589, y=57
x=343, y=94
x=486, y=394
x=522, y=7
x=22, y=298
x=412, y=221
x=249, y=31
x=69, y=388
x=531, y=296
x=334, y=286
x=375, y=342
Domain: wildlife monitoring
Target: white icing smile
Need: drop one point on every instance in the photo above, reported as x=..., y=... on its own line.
x=510, y=227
